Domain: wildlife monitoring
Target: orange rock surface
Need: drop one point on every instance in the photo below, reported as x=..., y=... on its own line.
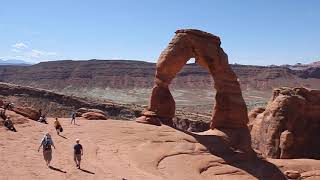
x=230, y=110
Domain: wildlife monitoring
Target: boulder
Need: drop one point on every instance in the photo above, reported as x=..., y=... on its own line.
x=29, y=112
x=81, y=111
x=292, y=174
x=230, y=110
x=289, y=127
x=94, y=116
x=15, y=118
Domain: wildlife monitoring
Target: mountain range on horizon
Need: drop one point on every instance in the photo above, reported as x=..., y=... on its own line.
x=14, y=62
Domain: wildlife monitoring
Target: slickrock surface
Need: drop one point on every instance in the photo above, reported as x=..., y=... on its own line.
x=124, y=149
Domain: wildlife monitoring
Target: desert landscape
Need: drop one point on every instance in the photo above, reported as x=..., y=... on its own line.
x=159, y=90
x=130, y=81
x=277, y=139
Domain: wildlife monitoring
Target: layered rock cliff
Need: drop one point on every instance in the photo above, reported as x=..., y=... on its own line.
x=124, y=74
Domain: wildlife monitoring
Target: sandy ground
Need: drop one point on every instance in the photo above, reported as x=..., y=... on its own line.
x=125, y=149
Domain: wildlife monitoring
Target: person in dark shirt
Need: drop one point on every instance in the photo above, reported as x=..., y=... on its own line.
x=9, y=124
x=73, y=117
x=78, y=152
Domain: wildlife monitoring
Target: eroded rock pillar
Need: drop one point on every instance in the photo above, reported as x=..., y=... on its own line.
x=171, y=61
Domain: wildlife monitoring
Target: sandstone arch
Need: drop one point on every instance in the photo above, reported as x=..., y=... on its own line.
x=230, y=110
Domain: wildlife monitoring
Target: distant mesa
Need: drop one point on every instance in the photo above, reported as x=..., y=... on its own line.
x=127, y=74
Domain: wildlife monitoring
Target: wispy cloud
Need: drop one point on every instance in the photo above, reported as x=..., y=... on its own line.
x=22, y=51
x=38, y=54
x=20, y=45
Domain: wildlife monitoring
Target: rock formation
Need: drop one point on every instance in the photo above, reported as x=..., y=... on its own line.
x=289, y=127
x=15, y=117
x=253, y=115
x=94, y=116
x=81, y=111
x=230, y=110
x=61, y=105
x=28, y=112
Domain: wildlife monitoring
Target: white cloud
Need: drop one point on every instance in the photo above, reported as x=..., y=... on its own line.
x=20, y=45
x=15, y=50
x=37, y=53
x=21, y=51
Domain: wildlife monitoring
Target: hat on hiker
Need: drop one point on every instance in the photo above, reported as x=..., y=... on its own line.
x=77, y=140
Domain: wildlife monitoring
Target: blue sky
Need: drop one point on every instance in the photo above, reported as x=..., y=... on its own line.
x=252, y=32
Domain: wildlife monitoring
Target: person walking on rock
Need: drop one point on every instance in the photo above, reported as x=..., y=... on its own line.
x=73, y=117
x=58, y=126
x=46, y=143
x=78, y=152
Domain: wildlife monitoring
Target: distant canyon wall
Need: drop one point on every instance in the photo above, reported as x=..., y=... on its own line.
x=124, y=74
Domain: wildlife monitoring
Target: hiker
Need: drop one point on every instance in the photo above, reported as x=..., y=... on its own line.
x=73, y=117
x=2, y=115
x=58, y=126
x=9, y=124
x=8, y=106
x=78, y=152
x=43, y=119
x=46, y=143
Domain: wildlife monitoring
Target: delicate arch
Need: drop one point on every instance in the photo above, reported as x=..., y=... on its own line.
x=230, y=110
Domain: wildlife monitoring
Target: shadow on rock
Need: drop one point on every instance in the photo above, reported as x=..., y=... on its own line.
x=86, y=171
x=57, y=169
x=234, y=147
x=63, y=136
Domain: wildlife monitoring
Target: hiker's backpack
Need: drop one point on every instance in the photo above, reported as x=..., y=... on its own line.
x=47, y=144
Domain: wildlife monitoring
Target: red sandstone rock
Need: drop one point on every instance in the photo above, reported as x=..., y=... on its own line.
x=1, y=103
x=81, y=111
x=253, y=116
x=255, y=112
x=28, y=112
x=292, y=174
x=94, y=116
x=230, y=110
x=15, y=117
x=311, y=175
x=290, y=125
